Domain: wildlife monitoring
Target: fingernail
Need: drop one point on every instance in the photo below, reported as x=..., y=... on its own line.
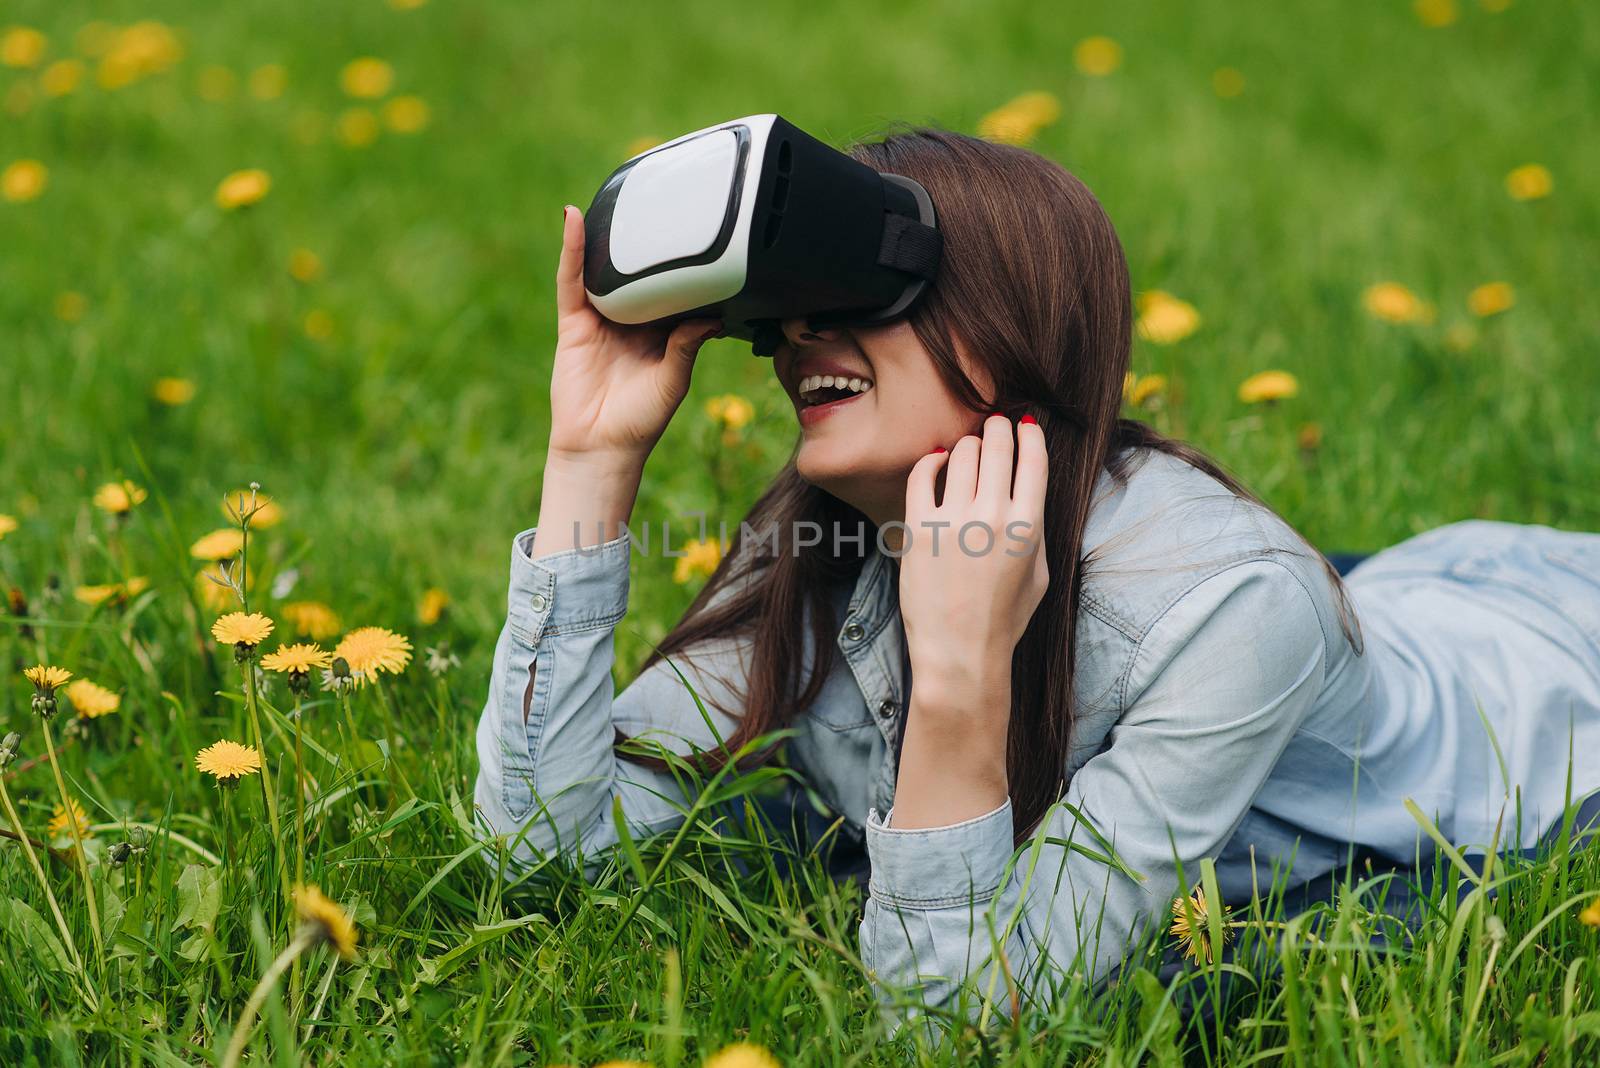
x=993, y=414
x=1029, y=419
x=937, y=448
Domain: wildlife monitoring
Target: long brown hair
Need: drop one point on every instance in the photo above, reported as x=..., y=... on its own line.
x=1035, y=285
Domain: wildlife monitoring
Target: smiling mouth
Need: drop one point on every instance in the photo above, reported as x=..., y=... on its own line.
x=815, y=390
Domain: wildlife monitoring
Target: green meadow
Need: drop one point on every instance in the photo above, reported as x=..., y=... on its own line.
x=364, y=329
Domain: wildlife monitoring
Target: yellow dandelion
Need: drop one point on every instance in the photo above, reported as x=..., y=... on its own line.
x=358, y=127
x=1393, y=303
x=1147, y=388
x=111, y=592
x=305, y=265
x=61, y=77
x=1097, y=56
x=372, y=649
x=216, y=83
x=212, y=589
x=1491, y=298
x=221, y=544
x=137, y=51
x=699, y=559
x=268, y=82
x=173, y=392
x=63, y=821
x=91, y=699
x=243, y=188
x=1020, y=119
x=366, y=78
x=330, y=923
x=267, y=512
x=22, y=46
x=1039, y=106
x=8, y=524
x=119, y=498
x=1164, y=319
x=70, y=306
x=1268, y=386
x=406, y=5
x=1590, y=916
x=297, y=659
x=241, y=628
x=1007, y=127
x=224, y=760
x=1227, y=82
x=431, y=608
x=406, y=114
x=311, y=619
x=743, y=1055
x=47, y=678
x=730, y=410
x=1436, y=14
x=1196, y=941
x=1530, y=181
x=318, y=325
x=24, y=180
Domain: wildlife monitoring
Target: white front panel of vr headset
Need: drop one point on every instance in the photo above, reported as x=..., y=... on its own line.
x=676, y=210
x=671, y=204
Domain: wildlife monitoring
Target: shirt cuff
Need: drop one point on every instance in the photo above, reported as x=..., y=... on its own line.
x=572, y=590
x=937, y=867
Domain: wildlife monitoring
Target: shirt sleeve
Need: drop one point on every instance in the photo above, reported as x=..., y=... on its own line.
x=955, y=918
x=547, y=772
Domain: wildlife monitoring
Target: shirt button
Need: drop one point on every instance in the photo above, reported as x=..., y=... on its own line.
x=887, y=708
x=854, y=631
x=539, y=601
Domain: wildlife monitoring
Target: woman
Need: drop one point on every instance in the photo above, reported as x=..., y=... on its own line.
x=1158, y=665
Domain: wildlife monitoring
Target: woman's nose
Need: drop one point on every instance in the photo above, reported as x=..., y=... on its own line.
x=799, y=334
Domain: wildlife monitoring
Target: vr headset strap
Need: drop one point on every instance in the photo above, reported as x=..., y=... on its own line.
x=910, y=246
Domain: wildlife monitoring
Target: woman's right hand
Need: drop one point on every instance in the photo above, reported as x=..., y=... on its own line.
x=615, y=386
x=614, y=389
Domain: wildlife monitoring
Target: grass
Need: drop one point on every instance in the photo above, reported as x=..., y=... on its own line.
x=396, y=406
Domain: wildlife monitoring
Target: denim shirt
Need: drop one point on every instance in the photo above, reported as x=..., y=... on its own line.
x=1220, y=713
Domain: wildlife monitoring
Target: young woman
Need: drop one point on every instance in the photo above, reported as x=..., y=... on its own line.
x=1161, y=663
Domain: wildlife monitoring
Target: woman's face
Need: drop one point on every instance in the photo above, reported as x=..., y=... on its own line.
x=886, y=408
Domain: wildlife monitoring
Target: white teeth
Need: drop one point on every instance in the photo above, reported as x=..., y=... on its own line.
x=811, y=383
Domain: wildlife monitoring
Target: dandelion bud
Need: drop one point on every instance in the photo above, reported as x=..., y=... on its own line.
x=8, y=749
x=119, y=854
x=139, y=838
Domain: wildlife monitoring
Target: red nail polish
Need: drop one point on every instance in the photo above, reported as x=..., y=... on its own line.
x=1029, y=419
x=937, y=448
x=993, y=414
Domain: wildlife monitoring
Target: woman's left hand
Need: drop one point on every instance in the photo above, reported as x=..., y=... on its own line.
x=974, y=568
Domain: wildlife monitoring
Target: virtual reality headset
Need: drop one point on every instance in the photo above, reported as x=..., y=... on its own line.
x=755, y=221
